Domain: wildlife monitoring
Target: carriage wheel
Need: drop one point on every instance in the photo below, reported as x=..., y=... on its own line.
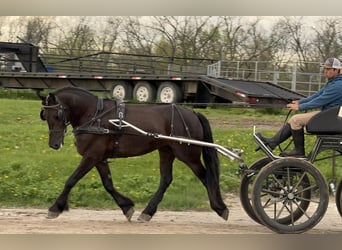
x=246, y=186
x=246, y=194
x=279, y=190
x=338, y=198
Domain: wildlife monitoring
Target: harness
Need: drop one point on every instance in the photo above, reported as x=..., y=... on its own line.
x=175, y=107
x=93, y=126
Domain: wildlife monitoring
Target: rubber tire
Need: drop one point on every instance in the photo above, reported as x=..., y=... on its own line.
x=246, y=183
x=122, y=90
x=294, y=166
x=144, y=91
x=338, y=198
x=169, y=92
x=246, y=200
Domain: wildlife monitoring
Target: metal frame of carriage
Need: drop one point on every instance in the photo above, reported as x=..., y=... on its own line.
x=286, y=194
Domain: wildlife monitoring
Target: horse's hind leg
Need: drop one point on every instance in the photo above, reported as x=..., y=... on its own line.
x=214, y=193
x=166, y=160
x=123, y=202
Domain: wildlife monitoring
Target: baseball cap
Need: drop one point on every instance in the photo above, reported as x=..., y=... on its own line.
x=332, y=63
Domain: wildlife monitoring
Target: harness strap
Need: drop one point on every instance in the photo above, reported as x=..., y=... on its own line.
x=95, y=130
x=90, y=127
x=120, y=111
x=120, y=114
x=174, y=106
x=99, y=107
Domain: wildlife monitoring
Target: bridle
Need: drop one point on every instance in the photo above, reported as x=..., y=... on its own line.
x=60, y=114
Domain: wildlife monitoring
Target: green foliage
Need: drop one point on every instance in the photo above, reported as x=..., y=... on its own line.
x=18, y=94
x=32, y=174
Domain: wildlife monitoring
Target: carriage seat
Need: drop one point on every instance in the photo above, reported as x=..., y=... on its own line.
x=327, y=122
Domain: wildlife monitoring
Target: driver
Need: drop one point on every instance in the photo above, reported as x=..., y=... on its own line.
x=327, y=97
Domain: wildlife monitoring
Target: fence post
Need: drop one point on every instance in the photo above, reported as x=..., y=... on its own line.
x=256, y=71
x=238, y=69
x=294, y=77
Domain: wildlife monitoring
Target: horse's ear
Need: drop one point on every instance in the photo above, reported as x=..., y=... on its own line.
x=51, y=99
x=42, y=97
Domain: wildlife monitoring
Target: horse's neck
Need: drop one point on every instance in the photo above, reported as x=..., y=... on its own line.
x=81, y=107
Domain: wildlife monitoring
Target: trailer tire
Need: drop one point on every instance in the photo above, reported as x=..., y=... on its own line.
x=144, y=92
x=122, y=90
x=169, y=92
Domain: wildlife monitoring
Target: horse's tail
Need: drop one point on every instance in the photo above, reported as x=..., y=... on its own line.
x=211, y=162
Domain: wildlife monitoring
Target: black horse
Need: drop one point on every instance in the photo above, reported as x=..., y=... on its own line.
x=97, y=140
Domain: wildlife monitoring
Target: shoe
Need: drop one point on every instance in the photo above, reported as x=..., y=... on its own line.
x=299, y=150
x=282, y=135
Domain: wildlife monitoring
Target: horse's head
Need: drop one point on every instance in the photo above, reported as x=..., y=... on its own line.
x=55, y=113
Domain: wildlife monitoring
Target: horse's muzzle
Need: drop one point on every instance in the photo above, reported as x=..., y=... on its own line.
x=56, y=146
x=56, y=139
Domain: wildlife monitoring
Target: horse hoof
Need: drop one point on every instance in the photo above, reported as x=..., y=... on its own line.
x=129, y=214
x=225, y=214
x=52, y=215
x=144, y=218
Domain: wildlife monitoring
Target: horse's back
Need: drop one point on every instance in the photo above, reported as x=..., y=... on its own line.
x=165, y=119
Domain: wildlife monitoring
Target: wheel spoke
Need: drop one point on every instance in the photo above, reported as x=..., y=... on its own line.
x=289, y=195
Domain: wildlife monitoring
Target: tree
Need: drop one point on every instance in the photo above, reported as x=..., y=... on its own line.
x=328, y=38
x=136, y=37
x=299, y=40
x=76, y=40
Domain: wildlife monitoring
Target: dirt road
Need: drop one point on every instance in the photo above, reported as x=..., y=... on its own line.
x=83, y=221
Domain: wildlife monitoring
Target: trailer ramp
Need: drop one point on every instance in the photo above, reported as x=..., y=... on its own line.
x=253, y=93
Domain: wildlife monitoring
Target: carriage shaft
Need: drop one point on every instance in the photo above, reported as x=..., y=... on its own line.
x=222, y=150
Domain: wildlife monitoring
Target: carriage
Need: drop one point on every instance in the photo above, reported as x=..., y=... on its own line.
x=288, y=195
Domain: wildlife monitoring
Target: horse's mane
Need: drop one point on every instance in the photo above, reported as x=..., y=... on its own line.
x=71, y=88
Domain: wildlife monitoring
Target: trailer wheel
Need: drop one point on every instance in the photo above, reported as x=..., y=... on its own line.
x=281, y=187
x=246, y=187
x=338, y=198
x=122, y=90
x=169, y=92
x=144, y=92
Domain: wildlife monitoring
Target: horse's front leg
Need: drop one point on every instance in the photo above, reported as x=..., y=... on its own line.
x=166, y=157
x=123, y=202
x=61, y=203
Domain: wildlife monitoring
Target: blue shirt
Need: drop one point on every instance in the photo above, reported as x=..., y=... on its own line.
x=327, y=97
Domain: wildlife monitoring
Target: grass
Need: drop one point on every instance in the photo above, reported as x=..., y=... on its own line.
x=32, y=174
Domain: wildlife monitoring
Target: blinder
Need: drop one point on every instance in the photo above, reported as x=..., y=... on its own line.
x=42, y=115
x=60, y=112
